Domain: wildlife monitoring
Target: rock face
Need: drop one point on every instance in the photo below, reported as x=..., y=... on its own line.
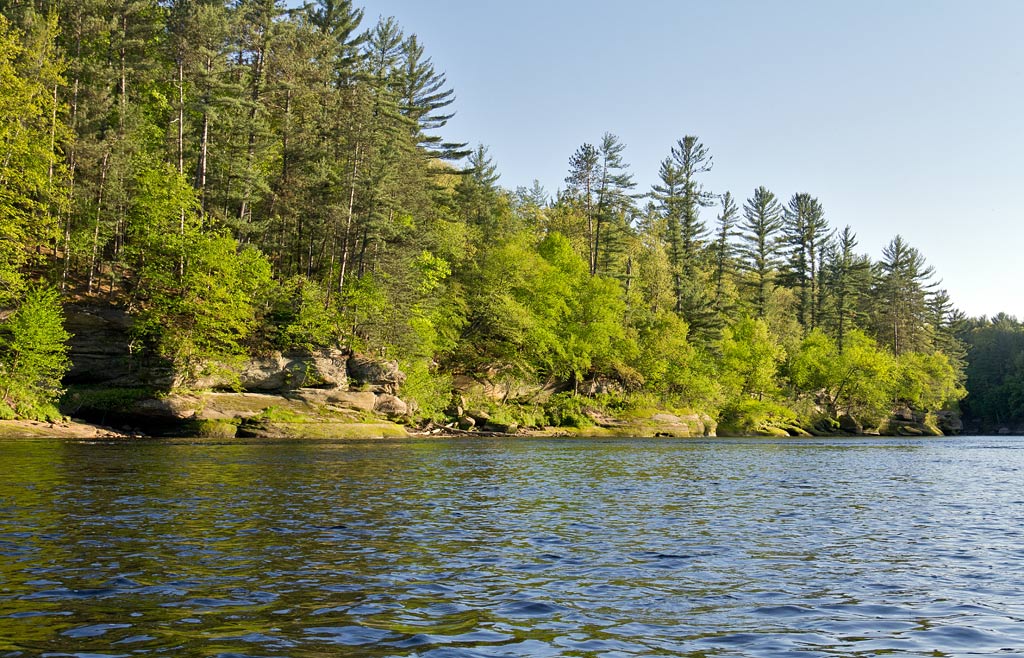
x=378, y=376
x=101, y=354
x=493, y=387
x=315, y=386
x=949, y=422
x=672, y=425
x=276, y=373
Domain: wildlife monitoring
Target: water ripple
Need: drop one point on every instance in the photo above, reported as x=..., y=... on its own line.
x=535, y=548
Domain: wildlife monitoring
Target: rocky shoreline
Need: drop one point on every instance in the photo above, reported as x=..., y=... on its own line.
x=339, y=394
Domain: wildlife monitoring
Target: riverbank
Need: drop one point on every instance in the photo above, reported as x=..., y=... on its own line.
x=31, y=429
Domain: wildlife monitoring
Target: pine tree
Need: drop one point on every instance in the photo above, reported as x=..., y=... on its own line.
x=614, y=206
x=847, y=280
x=681, y=196
x=806, y=234
x=946, y=323
x=478, y=193
x=761, y=246
x=903, y=285
x=32, y=189
x=584, y=181
x=423, y=97
x=724, y=250
x=339, y=21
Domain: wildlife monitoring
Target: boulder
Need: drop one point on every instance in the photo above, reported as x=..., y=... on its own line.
x=270, y=373
x=173, y=407
x=501, y=428
x=466, y=423
x=903, y=413
x=501, y=389
x=479, y=415
x=391, y=406
x=772, y=431
x=848, y=423
x=357, y=400
x=379, y=376
x=949, y=422
x=326, y=369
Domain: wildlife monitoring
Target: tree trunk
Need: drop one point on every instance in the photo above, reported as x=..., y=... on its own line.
x=96, y=230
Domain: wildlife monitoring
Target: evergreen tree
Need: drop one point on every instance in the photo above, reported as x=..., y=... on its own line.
x=584, y=182
x=761, y=244
x=32, y=190
x=848, y=281
x=423, y=97
x=946, y=323
x=806, y=234
x=339, y=21
x=478, y=194
x=724, y=249
x=903, y=286
x=614, y=207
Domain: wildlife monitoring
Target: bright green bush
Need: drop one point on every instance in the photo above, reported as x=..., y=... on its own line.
x=33, y=355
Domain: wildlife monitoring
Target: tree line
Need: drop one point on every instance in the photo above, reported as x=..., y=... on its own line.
x=243, y=177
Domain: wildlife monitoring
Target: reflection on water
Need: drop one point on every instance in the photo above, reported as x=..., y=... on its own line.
x=526, y=548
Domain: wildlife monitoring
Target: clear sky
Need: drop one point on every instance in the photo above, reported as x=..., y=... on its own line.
x=900, y=116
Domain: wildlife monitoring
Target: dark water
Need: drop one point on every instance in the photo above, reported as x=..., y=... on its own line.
x=526, y=548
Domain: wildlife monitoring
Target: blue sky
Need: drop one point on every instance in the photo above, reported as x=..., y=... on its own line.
x=901, y=117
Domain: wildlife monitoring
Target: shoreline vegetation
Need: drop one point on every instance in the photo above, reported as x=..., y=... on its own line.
x=209, y=201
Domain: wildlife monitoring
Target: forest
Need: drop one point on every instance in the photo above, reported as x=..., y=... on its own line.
x=244, y=177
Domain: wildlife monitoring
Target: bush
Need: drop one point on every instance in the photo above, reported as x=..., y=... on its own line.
x=33, y=355
x=427, y=391
x=567, y=410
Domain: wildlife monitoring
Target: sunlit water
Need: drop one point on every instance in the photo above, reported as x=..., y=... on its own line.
x=513, y=548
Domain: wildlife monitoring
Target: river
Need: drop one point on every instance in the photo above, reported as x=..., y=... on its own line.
x=444, y=549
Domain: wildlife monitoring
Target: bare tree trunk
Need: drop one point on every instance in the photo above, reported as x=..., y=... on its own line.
x=348, y=221
x=73, y=165
x=201, y=165
x=96, y=230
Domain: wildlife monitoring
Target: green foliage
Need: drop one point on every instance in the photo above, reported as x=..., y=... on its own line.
x=567, y=410
x=927, y=382
x=248, y=178
x=672, y=367
x=302, y=316
x=426, y=389
x=33, y=355
x=275, y=414
x=858, y=381
x=31, y=170
x=201, y=293
x=995, y=369
x=103, y=399
x=215, y=429
x=750, y=359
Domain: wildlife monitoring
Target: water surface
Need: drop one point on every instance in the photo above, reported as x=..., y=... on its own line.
x=513, y=548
